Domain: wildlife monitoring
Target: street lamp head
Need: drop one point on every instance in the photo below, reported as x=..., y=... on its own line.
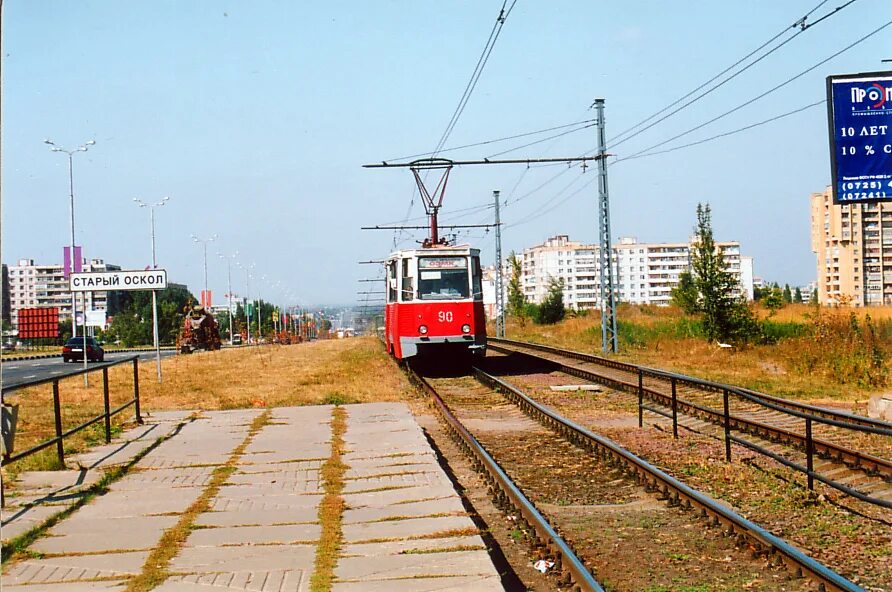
x=91, y=143
x=48, y=141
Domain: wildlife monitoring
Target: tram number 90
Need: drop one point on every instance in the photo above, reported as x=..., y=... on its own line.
x=444, y=316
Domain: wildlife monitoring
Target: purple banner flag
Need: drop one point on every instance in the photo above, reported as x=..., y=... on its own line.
x=78, y=261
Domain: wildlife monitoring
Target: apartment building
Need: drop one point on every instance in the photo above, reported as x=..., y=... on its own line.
x=645, y=273
x=853, y=248
x=37, y=286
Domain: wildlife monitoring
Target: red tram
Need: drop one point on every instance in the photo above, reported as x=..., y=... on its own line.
x=435, y=302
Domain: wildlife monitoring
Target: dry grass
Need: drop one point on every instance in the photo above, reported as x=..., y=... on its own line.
x=768, y=368
x=321, y=372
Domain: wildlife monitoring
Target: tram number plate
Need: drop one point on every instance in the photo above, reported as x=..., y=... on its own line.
x=444, y=316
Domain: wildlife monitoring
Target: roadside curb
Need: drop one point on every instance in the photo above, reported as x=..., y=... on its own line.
x=59, y=355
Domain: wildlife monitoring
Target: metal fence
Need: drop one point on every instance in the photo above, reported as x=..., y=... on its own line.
x=57, y=409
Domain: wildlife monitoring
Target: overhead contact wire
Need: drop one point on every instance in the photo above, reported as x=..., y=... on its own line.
x=764, y=94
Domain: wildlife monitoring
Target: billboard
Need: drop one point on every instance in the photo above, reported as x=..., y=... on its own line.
x=38, y=323
x=859, y=113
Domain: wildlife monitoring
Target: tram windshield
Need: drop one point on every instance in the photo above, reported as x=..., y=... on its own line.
x=443, y=278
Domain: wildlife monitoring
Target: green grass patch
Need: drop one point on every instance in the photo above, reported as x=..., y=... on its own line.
x=337, y=398
x=637, y=335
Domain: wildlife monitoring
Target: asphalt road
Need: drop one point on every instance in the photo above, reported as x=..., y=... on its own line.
x=16, y=372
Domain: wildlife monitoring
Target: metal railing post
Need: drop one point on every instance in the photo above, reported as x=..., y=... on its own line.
x=674, y=410
x=727, y=422
x=107, y=405
x=809, y=454
x=640, y=398
x=136, y=390
x=57, y=411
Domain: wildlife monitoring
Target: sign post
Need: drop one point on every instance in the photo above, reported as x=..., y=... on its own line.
x=859, y=113
x=149, y=279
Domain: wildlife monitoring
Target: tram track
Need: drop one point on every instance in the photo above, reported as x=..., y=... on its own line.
x=849, y=452
x=594, y=473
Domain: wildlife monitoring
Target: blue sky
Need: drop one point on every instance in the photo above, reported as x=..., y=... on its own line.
x=255, y=118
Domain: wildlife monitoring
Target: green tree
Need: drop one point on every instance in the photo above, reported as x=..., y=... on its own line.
x=813, y=299
x=788, y=294
x=132, y=325
x=773, y=299
x=552, y=308
x=726, y=317
x=517, y=304
x=797, y=295
x=685, y=295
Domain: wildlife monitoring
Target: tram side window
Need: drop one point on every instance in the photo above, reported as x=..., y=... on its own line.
x=408, y=288
x=477, y=278
x=443, y=278
x=391, y=282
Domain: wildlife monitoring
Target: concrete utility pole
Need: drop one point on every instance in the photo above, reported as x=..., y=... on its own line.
x=500, y=284
x=608, y=293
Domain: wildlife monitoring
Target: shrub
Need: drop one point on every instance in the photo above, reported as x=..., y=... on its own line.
x=844, y=349
x=552, y=308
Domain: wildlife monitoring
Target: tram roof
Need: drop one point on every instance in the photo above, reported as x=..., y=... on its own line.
x=435, y=251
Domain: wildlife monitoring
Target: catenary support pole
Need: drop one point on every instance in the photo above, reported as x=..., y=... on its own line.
x=500, y=284
x=608, y=293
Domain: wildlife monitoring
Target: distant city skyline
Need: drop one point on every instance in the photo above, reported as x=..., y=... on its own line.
x=255, y=120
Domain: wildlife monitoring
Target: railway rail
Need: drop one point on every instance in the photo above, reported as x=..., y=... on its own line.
x=652, y=478
x=783, y=430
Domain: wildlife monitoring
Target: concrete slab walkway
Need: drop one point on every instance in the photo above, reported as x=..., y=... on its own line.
x=404, y=527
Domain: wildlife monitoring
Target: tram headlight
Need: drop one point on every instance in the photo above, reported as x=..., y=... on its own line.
x=466, y=328
x=422, y=329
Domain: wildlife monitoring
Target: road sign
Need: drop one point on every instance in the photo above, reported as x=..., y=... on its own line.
x=154, y=279
x=859, y=111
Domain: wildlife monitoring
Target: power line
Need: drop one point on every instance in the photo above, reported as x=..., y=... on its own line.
x=478, y=71
x=802, y=28
x=497, y=140
x=764, y=94
x=541, y=140
x=558, y=204
x=725, y=134
x=544, y=207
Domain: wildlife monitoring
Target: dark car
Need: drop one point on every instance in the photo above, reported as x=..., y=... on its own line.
x=73, y=350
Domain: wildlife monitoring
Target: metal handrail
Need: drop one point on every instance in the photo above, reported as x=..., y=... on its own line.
x=812, y=446
x=57, y=412
x=820, y=414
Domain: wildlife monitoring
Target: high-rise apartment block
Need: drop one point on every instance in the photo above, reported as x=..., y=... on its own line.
x=853, y=244
x=38, y=286
x=646, y=273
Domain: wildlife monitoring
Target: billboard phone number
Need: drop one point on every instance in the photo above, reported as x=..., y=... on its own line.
x=857, y=190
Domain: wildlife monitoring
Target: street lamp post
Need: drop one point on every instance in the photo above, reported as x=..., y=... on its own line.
x=70, y=153
x=204, y=242
x=229, y=288
x=152, y=207
x=247, y=269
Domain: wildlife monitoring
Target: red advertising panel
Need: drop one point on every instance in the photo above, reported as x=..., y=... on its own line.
x=38, y=323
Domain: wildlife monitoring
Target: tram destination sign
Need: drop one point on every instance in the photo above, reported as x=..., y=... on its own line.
x=150, y=279
x=859, y=112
